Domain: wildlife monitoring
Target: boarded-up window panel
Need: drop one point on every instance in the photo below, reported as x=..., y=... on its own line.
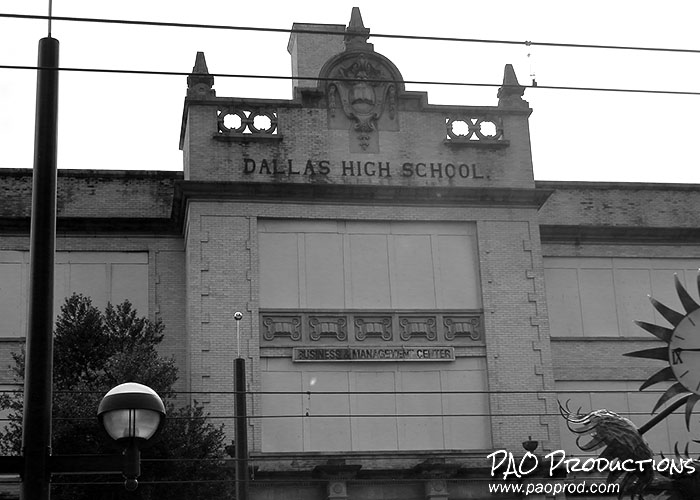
x=563, y=302
x=282, y=434
x=130, y=282
x=102, y=276
x=458, y=273
x=12, y=312
x=279, y=270
x=403, y=421
x=634, y=280
x=631, y=289
x=327, y=433
x=413, y=284
x=325, y=287
x=368, y=265
x=90, y=280
x=598, y=303
x=374, y=433
x=61, y=289
x=470, y=398
x=369, y=272
x=420, y=432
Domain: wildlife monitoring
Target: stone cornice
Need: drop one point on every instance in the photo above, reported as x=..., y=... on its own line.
x=354, y=195
x=619, y=234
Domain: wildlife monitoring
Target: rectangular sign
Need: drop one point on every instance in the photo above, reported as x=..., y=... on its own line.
x=373, y=353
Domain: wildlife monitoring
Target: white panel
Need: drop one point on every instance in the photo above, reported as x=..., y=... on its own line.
x=466, y=432
x=12, y=296
x=282, y=434
x=631, y=289
x=393, y=427
x=297, y=226
x=279, y=270
x=458, y=272
x=420, y=432
x=102, y=276
x=130, y=282
x=327, y=433
x=374, y=433
x=362, y=227
x=369, y=272
x=413, y=285
x=325, y=287
x=90, y=280
x=598, y=302
x=61, y=288
x=563, y=302
x=368, y=265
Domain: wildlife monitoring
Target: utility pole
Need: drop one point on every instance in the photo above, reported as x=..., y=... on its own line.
x=38, y=375
x=240, y=414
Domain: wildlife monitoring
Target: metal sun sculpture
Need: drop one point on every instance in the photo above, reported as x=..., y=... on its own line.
x=682, y=352
x=619, y=437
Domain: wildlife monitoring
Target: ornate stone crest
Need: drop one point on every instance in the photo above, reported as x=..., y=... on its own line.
x=362, y=90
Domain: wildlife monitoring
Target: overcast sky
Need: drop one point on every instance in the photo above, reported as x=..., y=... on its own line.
x=110, y=121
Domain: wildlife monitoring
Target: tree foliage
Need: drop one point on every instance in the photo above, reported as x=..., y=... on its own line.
x=93, y=352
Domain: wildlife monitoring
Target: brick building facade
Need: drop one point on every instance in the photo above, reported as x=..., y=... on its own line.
x=413, y=299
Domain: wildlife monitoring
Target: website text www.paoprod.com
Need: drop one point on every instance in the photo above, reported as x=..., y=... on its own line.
x=506, y=466
x=555, y=488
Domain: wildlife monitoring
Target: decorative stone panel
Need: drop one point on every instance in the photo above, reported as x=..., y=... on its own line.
x=373, y=327
x=475, y=130
x=279, y=328
x=233, y=121
x=334, y=327
x=421, y=326
x=462, y=327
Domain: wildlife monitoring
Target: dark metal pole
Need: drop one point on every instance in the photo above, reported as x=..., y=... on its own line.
x=38, y=371
x=241, y=434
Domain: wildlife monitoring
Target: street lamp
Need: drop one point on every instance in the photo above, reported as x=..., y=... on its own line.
x=131, y=414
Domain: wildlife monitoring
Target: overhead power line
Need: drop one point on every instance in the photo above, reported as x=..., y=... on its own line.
x=555, y=392
x=410, y=82
x=336, y=33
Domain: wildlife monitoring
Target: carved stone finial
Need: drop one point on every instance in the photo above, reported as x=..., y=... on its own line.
x=511, y=92
x=200, y=82
x=356, y=34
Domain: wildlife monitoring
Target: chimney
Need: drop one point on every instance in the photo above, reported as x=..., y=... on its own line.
x=310, y=50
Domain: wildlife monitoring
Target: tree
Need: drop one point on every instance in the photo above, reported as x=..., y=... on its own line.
x=93, y=352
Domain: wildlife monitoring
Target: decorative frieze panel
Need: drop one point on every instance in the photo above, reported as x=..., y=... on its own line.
x=281, y=326
x=414, y=327
x=462, y=327
x=377, y=327
x=475, y=130
x=233, y=121
x=333, y=327
x=357, y=327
